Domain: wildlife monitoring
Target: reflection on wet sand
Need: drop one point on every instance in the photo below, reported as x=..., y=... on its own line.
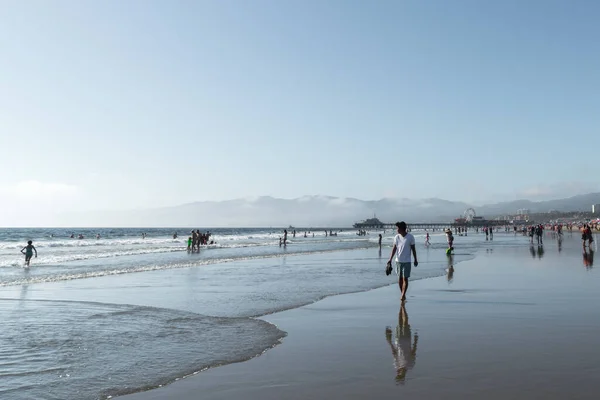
x=403, y=348
x=450, y=269
x=540, y=251
x=532, y=251
x=588, y=258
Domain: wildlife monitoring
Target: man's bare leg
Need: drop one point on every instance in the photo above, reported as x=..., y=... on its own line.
x=404, y=288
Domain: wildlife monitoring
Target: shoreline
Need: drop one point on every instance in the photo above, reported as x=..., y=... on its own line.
x=318, y=332
x=271, y=291
x=192, y=290
x=124, y=288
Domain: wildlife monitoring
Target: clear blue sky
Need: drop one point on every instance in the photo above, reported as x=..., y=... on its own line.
x=130, y=104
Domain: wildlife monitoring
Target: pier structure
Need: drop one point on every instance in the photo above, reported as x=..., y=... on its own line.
x=430, y=225
x=468, y=220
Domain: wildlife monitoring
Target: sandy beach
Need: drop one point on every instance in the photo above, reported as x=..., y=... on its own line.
x=513, y=323
x=509, y=320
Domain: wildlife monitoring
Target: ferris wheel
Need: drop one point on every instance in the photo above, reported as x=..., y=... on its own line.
x=469, y=214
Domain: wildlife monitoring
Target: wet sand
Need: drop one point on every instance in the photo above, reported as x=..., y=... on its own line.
x=514, y=323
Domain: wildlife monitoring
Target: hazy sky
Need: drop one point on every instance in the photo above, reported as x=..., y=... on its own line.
x=130, y=104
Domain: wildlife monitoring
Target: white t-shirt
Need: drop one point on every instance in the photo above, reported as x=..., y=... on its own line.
x=403, y=247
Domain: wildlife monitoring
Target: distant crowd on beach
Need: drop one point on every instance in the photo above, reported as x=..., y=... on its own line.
x=283, y=240
x=81, y=236
x=534, y=232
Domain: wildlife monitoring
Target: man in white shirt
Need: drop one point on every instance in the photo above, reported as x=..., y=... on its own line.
x=404, y=244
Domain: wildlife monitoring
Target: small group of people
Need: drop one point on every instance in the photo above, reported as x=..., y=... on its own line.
x=489, y=232
x=586, y=235
x=81, y=237
x=537, y=231
x=361, y=232
x=196, y=240
x=283, y=240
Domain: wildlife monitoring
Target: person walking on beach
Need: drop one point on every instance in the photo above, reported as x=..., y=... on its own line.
x=403, y=347
x=587, y=235
x=531, y=233
x=427, y=242
x=539, y=231
x=380, y=237
x=404, y=244
x=28, y=251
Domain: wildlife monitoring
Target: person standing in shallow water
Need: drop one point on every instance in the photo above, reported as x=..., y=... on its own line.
x=404, y=245
x=28, y=251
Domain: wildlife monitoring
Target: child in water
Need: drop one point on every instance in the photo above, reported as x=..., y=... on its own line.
x=450, y=239
x=28, y=251
x=189, y=244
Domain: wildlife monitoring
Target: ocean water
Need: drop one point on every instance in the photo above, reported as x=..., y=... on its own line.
x=95, y=318
x=60, y=350
x=120, y=251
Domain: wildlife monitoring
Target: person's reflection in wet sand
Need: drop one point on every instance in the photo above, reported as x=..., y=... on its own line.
x=403, y=348
x=532, y=251
x=559, y=243
x=379, y=251
x=450, y=269
x=588, y=258
x=23, y=297
x=540, y=252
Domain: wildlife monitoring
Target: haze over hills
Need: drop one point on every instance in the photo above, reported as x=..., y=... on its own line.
x=313, y=211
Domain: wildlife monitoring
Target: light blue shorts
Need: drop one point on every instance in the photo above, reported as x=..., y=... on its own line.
x=403, y=269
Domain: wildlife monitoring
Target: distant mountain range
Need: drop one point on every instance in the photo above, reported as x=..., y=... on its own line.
x=315, y=211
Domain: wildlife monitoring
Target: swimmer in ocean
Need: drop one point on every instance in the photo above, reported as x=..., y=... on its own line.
x=28, y=251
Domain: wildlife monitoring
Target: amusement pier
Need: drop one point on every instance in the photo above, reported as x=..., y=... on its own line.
x=468, y=220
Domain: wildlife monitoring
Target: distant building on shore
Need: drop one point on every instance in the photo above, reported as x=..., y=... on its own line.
x=525, y=211
x=596, y=209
